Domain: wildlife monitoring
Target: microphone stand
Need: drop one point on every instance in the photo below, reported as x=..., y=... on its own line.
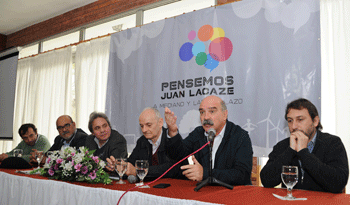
x=211, y=180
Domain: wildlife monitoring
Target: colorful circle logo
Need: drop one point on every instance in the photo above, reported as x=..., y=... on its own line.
x=220, y=47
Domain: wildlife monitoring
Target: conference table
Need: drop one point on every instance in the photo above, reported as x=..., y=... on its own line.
x=18, y=188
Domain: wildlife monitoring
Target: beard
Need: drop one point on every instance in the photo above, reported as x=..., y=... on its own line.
x=65, y=134
x=32, y=143
x=309, y=132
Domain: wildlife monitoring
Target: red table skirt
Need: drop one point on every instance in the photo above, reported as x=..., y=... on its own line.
x=184, y=189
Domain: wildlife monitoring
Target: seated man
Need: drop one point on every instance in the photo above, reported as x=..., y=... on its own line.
x=31, y=140
x=150, y=146
x=232, y=149
x=69, y=135
x=104, y=140
x=321, y=158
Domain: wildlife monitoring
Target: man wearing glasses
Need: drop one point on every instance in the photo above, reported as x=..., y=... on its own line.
x=69, y=136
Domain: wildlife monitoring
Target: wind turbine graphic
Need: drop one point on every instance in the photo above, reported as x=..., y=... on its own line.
x=285, y=131
x=277, y=128
x=268, y=122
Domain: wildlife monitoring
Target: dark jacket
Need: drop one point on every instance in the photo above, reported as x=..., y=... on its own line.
x=116, y=146
x=143, y=150
x=233, y=160
x=325, y=169
x=77, y=141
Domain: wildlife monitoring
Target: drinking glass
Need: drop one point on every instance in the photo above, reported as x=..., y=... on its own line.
x=49, y=154
x=120, y=168
x=39, y=156
x=142, y=170
x=290, y=179
x=17, y=152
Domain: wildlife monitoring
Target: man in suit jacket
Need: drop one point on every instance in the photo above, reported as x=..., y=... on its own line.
x=69, y=136
x=321, y=158
x=232, y=149
x=151, y=146
x=105, y=141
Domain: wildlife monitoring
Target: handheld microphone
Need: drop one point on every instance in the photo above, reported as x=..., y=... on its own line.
x=132, y=179
x=211, y=134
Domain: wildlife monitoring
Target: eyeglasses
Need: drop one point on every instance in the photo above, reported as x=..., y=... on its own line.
x=64, y=126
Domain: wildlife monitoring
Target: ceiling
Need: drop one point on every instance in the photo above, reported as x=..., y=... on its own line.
x=16, y=15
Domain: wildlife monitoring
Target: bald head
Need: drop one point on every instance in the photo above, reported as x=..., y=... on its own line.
x=64, y=117
x=151, y=111
x=215, y=99
x=151, y=123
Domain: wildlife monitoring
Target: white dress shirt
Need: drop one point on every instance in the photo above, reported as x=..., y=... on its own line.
x=156, y=145
x=216, y=143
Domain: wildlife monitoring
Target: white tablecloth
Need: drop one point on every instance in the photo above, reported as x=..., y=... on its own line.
x=25, y=190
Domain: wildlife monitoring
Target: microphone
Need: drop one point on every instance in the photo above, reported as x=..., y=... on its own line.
x=132, y=179
x=211, y=134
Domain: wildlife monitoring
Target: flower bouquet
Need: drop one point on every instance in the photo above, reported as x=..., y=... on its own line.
x=69, y=164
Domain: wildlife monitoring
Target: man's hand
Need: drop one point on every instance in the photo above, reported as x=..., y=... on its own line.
x=193, y=172
x=293, y=142
x=131, y=170
x=170, y=120
x=43, y=160
x=32, y=158
x=3, y=156
x=298, y=140
x=110, y=166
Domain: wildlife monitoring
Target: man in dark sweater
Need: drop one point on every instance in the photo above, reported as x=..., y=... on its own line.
x=151, y=146
x=321, y=158
x=103, y=139
x=232, y=153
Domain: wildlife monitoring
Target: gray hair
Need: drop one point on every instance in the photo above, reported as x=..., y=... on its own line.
x=156, y=112
x=223, y=105
x=95, y=115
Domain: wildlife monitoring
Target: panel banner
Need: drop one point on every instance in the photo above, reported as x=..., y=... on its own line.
x=256, y=55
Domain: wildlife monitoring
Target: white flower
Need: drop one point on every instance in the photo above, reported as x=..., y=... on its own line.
x=65, y=152
x=82, y=149
x=69, y=150
x=69, y=157
x=53, y=158
x=63, y=164
x=61, y=152
x=66, y=172
x=67, y=166
x=102, y=164
x=78, y=157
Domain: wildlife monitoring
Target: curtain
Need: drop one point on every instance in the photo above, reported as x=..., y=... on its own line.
x=335, y=63
x=43, y=92
x=91, y=64
x=47, y=88
x=22, y=78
